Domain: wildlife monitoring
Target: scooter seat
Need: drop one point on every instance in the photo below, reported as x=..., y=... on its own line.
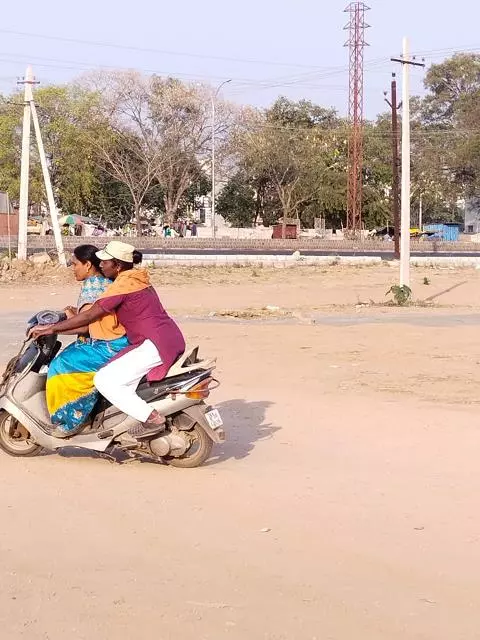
x=159, y=388
x=150, y=391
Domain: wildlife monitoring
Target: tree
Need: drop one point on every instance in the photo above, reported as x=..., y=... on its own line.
x=158, y=135
x=200, y=185
x=11, y=111
x=124, y=134
x=377, y=173
x=145, y=148
x=113, y=203
x=286, y=149
x=182, y=114
x=447, y=84
x=237, y=201
x=444, y=130
x=61, y=111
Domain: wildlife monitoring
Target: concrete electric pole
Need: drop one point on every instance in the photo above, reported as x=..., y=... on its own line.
x=214, y=97
x=28, y=81
x=406, y=151
x=29, y=113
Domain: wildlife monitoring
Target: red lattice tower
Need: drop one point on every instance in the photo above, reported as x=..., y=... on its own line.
x=356, y=42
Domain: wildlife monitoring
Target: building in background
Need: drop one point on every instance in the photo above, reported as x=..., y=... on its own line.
x=8, y=216
x=472, y=215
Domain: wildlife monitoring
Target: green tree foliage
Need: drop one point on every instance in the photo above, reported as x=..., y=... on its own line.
x=62, y=112
x=237, y=202
x=121, y=146
x=11, y=112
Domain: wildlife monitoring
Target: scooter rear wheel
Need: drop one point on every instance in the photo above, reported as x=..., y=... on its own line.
x=14, y=438
x=197, y=453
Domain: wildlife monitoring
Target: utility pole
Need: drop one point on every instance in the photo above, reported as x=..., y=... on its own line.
x=420, y=213
x=30, y=112
x=214, y=97
x=395, y=166
x=9, y=230
x=48, y=188
x=27, y=82
x=405, y=212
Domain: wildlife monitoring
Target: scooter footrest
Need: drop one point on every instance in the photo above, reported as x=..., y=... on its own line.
x=104, y=435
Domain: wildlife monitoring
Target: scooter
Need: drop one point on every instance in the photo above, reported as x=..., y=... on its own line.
x=192, y=427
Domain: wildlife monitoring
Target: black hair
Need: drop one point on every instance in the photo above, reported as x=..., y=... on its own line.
x=87, y=253
x=137, y=259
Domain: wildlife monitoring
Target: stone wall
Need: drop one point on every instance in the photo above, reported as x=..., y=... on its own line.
x=182, y=245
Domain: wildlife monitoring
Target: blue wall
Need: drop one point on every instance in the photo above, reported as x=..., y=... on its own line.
x=449, y=232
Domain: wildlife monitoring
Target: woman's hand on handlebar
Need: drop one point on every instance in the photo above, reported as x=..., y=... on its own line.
x=45, y=330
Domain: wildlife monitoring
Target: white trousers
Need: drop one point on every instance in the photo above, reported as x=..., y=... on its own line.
x=118, y=380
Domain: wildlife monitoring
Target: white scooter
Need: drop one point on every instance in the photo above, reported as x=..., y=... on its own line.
x=192, y=427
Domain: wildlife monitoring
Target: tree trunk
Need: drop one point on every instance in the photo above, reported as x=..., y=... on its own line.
x=286, y=212
x=171, y=206
x=285, y=202
x=138, y=221
x=169, y=210
x=259, y=204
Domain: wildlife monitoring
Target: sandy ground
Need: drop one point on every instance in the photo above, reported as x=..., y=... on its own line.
x=343, y=506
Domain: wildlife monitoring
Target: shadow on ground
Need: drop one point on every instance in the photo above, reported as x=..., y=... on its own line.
x=245, y=426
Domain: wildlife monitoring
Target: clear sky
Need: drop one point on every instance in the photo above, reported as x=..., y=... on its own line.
x=267, y=47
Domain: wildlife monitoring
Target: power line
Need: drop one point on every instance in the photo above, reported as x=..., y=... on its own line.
x=459, y=49
x=240, y=83
x=112, y=45
x=73, y=65
x=302, y=80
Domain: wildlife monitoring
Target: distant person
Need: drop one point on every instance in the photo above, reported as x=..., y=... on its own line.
x=193, y=229
x=45, y=227
x=179, y=228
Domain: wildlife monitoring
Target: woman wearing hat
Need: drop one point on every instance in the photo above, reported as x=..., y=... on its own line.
x=156, y=342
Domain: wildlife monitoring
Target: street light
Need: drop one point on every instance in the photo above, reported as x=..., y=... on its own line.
x=214, y=97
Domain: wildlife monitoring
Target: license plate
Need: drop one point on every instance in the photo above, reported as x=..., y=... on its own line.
x=214, y=418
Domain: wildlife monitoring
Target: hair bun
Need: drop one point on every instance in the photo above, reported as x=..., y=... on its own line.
x=137, y=257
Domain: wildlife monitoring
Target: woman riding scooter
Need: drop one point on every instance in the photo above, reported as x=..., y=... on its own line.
x=155, y=339
x=71, y=394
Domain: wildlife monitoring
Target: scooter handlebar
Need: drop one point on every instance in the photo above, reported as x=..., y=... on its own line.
x=43, y=318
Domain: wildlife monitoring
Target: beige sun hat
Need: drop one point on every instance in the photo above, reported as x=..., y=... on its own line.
x=118, y=251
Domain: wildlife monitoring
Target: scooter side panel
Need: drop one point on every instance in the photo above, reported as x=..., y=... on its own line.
x=43, y=439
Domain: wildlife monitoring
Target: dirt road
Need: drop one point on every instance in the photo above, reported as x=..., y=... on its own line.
x=343, y=506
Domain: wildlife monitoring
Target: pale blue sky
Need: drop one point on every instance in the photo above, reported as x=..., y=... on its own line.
x=267, y=47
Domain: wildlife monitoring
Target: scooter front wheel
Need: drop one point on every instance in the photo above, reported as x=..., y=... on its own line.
x=14, y=438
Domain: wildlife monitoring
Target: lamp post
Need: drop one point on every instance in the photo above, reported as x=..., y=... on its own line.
x=214, y=97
